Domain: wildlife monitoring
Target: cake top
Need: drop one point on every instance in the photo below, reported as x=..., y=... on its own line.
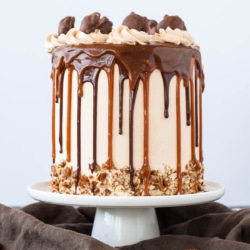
x=135, y=29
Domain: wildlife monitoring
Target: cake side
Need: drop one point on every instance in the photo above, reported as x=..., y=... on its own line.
x=127, y=119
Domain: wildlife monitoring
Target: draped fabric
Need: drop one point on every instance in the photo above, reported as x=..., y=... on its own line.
x=48, y=226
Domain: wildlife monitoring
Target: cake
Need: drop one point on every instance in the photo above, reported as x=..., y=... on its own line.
x=126, y=107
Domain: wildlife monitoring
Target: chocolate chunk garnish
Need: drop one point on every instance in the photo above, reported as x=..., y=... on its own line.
x=174, y=22
x=89, y=23
x=104, y=25
x=135, y=21
x=66, y=24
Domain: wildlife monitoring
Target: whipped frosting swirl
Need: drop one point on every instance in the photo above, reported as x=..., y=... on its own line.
x=54, y=40
x=123, y=35
x=175, y=36
x=74, y=37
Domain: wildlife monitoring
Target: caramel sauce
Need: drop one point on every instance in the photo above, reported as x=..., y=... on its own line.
x=69, y=112
x=109, y=162
x=53, y=125
x=178, y=134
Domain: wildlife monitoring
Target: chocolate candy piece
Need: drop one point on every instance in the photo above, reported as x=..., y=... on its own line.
x=135, y=21
x=104, y=25
x=90, y=22
x=173, y=22
x=66, y=24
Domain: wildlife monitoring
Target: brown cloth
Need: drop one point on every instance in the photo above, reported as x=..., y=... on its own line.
x=41, y=226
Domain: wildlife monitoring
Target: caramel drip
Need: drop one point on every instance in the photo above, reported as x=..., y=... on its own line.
x=192, y=112
x=109, y=162
x=194, y=116
x=145, y=170
x=196, y=108
x=178, y=134
x=95, y=96
x=199, y=87
x=53, y=132
x=79, y=98
x=200, y=119
x=69, y=112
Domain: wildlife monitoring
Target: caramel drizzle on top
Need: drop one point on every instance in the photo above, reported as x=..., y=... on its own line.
x=135, y=63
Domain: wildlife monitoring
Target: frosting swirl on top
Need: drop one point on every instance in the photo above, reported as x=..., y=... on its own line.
x=75, y=37
x=53, y=40
x=123, y=35
x=175, y=36
x=135, y=29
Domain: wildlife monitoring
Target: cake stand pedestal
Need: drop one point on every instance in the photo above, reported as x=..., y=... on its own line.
x=124, y=220
x=125, y=226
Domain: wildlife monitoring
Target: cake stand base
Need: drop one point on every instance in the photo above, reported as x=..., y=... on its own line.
x=125, y=220
x=125, y=226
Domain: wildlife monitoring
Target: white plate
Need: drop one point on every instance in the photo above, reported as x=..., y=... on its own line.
x=41, y=191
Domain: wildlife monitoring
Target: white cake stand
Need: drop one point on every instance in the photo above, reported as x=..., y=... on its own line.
x=123, y=221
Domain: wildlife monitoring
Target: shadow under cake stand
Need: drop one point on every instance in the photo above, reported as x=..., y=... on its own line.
x=125, y=220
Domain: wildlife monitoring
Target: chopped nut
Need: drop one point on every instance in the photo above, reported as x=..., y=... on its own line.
x=102, y=176
x=84, y=181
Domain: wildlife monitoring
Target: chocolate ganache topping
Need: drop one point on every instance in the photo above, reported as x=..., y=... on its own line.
x=88, y=60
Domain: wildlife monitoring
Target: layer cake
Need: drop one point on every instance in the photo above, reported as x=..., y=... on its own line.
x=126, y=107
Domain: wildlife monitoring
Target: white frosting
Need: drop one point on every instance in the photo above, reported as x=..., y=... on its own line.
x=175, y=36
x=121, y=35
x=54, y=40
x=162, y=131
x=75, y=37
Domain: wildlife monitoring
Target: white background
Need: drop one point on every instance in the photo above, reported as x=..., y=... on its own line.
x=220, y=27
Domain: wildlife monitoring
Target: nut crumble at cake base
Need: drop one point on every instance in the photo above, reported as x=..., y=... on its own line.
x=116, y=182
